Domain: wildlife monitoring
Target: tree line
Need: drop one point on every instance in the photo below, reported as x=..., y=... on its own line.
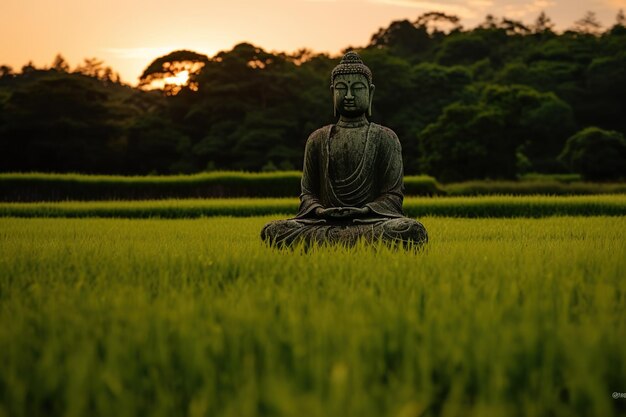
x=494, y=101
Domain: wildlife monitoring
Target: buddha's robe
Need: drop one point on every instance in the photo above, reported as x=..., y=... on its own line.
x=350, y=167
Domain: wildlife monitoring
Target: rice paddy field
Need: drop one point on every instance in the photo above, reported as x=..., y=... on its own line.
x=484, y=206
x=500, y=315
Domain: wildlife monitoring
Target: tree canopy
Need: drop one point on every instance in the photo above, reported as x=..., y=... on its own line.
x=494, y=101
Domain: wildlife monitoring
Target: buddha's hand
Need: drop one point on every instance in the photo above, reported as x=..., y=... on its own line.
x=341, y=212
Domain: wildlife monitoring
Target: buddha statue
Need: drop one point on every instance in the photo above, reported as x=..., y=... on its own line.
x=352, y=187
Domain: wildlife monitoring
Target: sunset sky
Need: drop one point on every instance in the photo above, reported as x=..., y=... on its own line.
x=129, y=34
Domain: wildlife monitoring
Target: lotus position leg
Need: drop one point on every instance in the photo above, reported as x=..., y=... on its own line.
x=286, y=233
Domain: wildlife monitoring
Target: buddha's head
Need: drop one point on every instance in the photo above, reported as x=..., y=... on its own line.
x=352, y=88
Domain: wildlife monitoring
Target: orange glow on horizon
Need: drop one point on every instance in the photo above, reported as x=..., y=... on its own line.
x=171, y=85
x=127, y=36
x=179, y=79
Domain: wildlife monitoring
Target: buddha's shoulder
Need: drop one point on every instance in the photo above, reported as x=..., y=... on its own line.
x=319, y=134
x=385, y=133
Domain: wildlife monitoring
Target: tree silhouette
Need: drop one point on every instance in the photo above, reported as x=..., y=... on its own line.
x=465, y=103
x=543, y=24
x=29, y=68
x=94, y=67
x=596, y=154
x=161, y=72
x=403, y=37
x=514, y=27
x=60, y=64
x=5, y=71
x=490, y=22
x=588, y=24
x=433, y=21
x=620, y=19
x=482, y=139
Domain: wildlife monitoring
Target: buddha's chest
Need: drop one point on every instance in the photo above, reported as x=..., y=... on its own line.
x=346, y=151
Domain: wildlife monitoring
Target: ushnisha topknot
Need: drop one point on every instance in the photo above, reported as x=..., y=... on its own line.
x=351, y=63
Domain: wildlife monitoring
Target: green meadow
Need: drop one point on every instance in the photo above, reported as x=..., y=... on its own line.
x=196, y=317
x=483, y=206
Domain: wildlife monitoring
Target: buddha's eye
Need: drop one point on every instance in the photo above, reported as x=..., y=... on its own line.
x=358, y=86
x=341, y=86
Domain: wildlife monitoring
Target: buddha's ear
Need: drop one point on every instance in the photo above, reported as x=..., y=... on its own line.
x=332, y=92
x=369, y=108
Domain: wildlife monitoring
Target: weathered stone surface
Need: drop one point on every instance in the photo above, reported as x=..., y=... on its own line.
x=285, y=233
x=352, y=176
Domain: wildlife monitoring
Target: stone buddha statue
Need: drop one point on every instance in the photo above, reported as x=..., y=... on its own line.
x=352, y=185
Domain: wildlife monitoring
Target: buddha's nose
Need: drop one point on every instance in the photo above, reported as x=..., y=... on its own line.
x=349, y=94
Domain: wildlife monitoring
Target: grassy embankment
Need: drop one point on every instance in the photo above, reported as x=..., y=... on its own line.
x=54, y=187
x=486, y=206
x=50, y=187
x=514, y=317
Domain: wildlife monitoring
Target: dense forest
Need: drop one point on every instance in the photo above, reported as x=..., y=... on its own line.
x=495, y=101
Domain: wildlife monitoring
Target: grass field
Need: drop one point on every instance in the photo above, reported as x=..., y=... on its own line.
x=486, y=206
x=195, y=317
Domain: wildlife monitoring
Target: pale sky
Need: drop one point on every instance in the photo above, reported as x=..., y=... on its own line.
x=129, y=34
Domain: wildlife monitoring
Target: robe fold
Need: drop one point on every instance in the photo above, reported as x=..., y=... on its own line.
x=375, y=183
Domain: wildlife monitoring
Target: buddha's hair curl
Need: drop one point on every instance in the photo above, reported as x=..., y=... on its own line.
x=351, y=63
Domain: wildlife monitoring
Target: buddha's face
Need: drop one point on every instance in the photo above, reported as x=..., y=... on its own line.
x=352, y=94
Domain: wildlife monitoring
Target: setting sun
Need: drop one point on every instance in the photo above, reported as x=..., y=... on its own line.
x=172, y=84
x=180, y=78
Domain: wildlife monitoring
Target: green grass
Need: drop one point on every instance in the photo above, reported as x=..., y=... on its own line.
x=533, y=185
x=497, y=317
x=487, y=206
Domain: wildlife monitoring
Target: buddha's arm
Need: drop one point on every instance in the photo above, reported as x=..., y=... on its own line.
x=310, y=203
x=389, y=165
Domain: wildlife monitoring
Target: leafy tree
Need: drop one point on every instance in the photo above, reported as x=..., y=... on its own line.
x=28, y=68
x=162, y=72
x=620, y=19
x=54, y=121
x=95, y=68
x=467, y=142
x=542, y=24
x=57, y=122
x=462, y=50
x=5, y=71
x=60, y=64
x=153, y=145
x=432, y=88
x=566, y=79
x=588, y=24
x=490, y=22
x=596, y=154
x=433, y=21
x=465, y=103
x=606, y=81
x=435, y=87
x=485, y=139
x=403, y=38
x=244, y=110
x=514, y=27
